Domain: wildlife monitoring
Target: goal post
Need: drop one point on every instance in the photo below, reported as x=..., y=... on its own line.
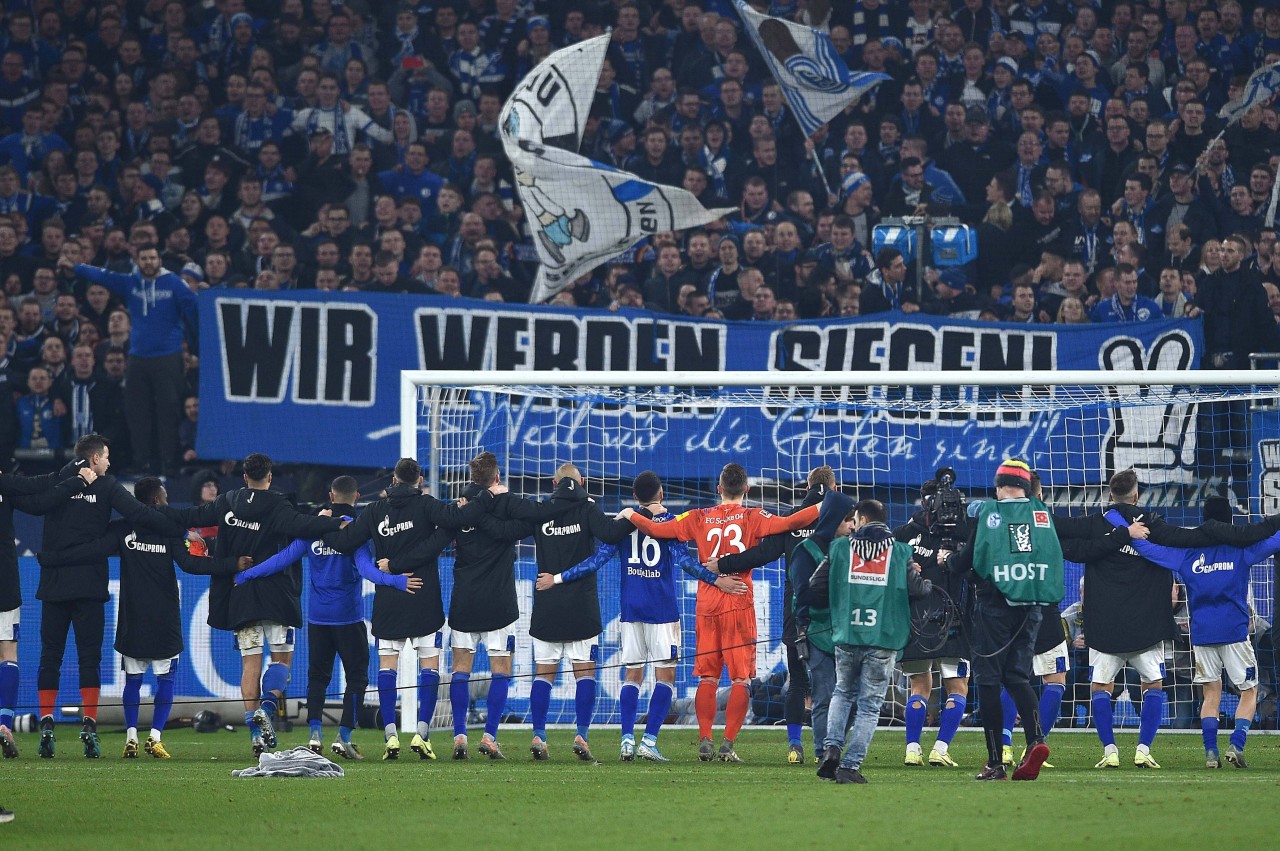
x=1188, y=434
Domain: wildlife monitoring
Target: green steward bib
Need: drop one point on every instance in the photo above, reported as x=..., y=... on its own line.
x=1017, y=551
x=869, y=601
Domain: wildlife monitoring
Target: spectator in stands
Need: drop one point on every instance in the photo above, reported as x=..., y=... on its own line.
x=39, y=426
x=1126, y=305
x=888, y=291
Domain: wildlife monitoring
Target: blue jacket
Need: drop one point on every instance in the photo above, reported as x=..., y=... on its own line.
x=334, y=595
x=1142, y=309
x=160, y=308
x=1217, y=580
x=424, y=187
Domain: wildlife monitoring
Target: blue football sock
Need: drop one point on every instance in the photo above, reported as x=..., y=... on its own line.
x=628, y=704
x=1239, y=734
x=1050, y=706
x=344, y=734
x=1103, y=720
x=460, y=700
x=130, y=698
x=952, y=713
x=387, y=696
x=584, y=701
x=1149, y=720
x=1209, y=732
x=163, y=704
x=793, y=734
x=8, y=692
x=659, y=706
x=254, y=729
x=1010, y=711
x=428, y=694
x=315, y=729
x=274, y=681
x=539, y=703
x=917, y=707
x=496, y=702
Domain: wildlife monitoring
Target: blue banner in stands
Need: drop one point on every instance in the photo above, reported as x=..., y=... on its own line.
x=314, y=377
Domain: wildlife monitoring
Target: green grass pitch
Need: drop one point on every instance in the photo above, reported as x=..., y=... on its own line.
x=192, y=801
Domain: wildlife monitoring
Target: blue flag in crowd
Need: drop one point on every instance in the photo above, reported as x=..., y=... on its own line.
x=813, y=77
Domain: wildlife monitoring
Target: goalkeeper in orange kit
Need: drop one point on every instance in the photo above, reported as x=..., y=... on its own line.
x=726, y=625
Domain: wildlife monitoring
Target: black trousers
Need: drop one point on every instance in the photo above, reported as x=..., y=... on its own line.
x=350, y=643
x=87, y=617
x=153, y=409
x=1004, y=640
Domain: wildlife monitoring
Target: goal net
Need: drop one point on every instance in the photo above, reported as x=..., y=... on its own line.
x=1186, y=434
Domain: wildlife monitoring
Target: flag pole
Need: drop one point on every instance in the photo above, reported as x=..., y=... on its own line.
x=1256, y=91
x=1271, y=208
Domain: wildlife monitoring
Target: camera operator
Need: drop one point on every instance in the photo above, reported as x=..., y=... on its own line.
x=936, y=642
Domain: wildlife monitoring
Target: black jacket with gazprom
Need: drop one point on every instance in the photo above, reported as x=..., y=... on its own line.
x=81, y=519
x=484, y=565
x=402, y=527
x=571, y=611
x=34, y=495
x=149, y=612
x=259, y=524
x=1127, y=599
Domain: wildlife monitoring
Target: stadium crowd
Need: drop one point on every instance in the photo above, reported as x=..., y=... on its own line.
x=281, y=144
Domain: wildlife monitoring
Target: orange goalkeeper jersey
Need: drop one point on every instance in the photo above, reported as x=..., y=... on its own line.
x=721, y=530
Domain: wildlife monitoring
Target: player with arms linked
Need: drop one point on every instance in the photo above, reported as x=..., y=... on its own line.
x=726, y=624
x=33, y=494
x=1217, y=581
x=1127, y=614
x=483, y=609
x=821, y=481
x=258, y=522
x=649, y=614
x=400, y=527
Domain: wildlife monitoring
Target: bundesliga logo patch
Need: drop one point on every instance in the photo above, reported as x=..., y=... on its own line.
x=1019, y=538
x=1040, y=519
x=870, y=572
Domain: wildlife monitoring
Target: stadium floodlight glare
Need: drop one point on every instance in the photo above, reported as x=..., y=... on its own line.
x=1186, y=433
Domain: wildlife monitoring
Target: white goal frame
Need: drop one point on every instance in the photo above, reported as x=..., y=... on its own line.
x=1266, y=382
x=411, y=380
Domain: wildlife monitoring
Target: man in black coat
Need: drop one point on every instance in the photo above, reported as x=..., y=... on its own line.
x=34, y=494
x=1237, y=322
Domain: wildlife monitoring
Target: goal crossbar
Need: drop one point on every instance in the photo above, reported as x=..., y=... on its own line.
x=800, y=378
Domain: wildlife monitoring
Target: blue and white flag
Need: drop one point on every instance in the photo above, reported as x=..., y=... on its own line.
x=581, y=213
x=813, y=77
x=1262, y=86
